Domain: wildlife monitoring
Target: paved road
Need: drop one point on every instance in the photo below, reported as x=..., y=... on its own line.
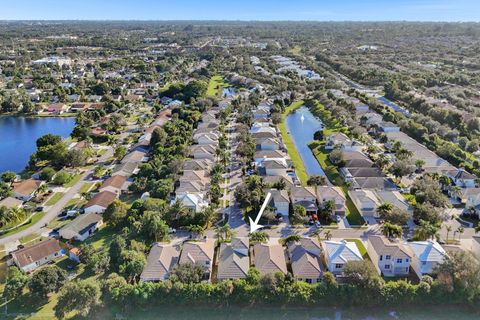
x=53, y=211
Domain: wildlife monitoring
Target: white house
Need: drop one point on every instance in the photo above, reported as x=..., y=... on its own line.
x=280, y=201
x=274, y=166
x=100, y=202
x=194, y=202
x=388, y=127
x=338, y=253
x=268, y=144
x=336, y=139
x=33, y=256
x=352, y=146
x=205, y=138
x=390, y=258
x=427, y=255
x=462, y=178
x=366, y=202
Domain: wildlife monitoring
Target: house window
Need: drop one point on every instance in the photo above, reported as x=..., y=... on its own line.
x=381, y=257
x=308, y=280
x=424, y=263
x=387, y=267
x=406, y=260
x=399, y=260
x=387, y=257
x=338, y=266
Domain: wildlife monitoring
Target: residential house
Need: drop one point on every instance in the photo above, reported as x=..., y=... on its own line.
x=11, y=203
x=195, y=202
x=135, y=156
x=56, y=108
x=284, y=179
x=462, y=178
x=338, y=253
x=114, y=184
x=261, y=113
x=426, y=256
x=233, y=260
x=352, y=146
x=195, y=175
x=33, y=256
x=192, y=187
x=25, y=190
x=269, y=258
x=335, y=194
x=390, y=258
x=476, y=246
x=206, y=151
x=199, y=252
x=468, y=196
x=100, y=202
x=280, y=201
x=125, y=169
x=388, y=127
x=264, y=154
x=350, y=173
x=161, y=260
x=366, y=201
x=268, y=144
x=373, y=183
x=336, y=139
x=305, y=260
x=395, y=198
x=195, y=165
x=81, y=227
x=305, y=197
x=372, y=118
x=205, y=138
x=273, y=166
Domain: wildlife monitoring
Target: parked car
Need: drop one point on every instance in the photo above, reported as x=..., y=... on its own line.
x=39, y=208
x=317, y=224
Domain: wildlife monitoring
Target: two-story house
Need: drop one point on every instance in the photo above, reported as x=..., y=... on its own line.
x=390, y=258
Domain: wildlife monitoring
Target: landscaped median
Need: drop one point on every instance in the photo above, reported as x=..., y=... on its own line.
x=290, y=145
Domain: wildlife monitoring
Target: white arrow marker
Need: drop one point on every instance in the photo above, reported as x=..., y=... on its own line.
x=254, y=226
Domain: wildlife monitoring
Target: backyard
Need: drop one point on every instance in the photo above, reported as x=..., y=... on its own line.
x=290, y=145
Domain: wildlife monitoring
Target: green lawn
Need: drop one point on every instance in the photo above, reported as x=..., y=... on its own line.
x=361, y=248
x=37, y=216
x=215, y=85
x=29, y=238
x=74, y=180
x=54, y=199
x=86, y=187
x=290, y=145
x=296, y=50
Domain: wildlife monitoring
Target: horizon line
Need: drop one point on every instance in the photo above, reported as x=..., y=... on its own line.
x=229, y=20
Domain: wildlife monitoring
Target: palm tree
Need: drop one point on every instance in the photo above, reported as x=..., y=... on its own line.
x=328, y=234
x=225, y=233
x=449, y=229
x=426, y=230
x=197, y=231
x=419, y=163
x=384, y=210
x=289, y=239
x=460, y=230
x=382, y=161
x=259, y=237
x=392, y=231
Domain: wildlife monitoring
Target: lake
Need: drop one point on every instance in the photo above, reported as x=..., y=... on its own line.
x=18, y=136
x=302, y=125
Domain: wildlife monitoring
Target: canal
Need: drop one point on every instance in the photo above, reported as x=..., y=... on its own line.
x=302, y=125
x=18, y=136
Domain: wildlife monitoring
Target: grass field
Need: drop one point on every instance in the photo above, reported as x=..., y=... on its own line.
x=290, y=145
x=54, y=199
x=296, y=50
x=215, y=85
x=37, y=216
x=74, y=180
x=86, y=187
x=361, y=248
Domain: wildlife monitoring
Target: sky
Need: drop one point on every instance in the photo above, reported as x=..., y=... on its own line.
x=318, y=10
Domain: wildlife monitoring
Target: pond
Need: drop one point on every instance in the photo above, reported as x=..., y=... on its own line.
x=302, y=125
x=18, y=136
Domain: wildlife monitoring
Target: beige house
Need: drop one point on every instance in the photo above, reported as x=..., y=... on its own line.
x=114, y=184
x=390, y=258
x=305, y=260
x=11, y=203
x=100, y=202
x=163, y=257
x=199, y=252
x=31, y=257
x=269, y=258
x=233, y=260
x=335, y=194
x=25, y=190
